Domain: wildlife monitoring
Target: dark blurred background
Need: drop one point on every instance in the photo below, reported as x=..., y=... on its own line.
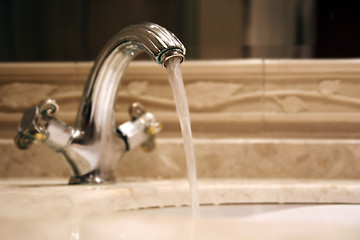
x=75, y=30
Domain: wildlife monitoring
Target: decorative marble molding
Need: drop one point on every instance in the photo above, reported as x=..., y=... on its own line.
x=252, y=98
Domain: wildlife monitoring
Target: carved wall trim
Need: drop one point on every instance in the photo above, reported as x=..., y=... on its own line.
x=246, y=98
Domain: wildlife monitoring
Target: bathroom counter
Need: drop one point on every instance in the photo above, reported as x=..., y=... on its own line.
x=50, y=208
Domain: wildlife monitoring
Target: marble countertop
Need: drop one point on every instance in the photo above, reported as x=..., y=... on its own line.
x=51, y=209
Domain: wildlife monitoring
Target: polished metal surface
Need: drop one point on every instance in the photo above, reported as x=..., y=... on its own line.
x=95, y=145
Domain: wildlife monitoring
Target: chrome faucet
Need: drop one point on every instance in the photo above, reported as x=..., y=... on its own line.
x=94, y=145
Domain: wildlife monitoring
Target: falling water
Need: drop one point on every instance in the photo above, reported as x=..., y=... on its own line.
x=182, y=108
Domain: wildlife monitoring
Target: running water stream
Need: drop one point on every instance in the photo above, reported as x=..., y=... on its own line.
x=182, y=108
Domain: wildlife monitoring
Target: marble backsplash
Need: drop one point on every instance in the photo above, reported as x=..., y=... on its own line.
x=216, y=158
x=250, y=118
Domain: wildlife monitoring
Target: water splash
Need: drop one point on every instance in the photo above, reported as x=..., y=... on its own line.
x=182, y=108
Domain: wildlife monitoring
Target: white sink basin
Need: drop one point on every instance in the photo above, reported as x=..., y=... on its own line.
x=295, y=213
x=256, y=221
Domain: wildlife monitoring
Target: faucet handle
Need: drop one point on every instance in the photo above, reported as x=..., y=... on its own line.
x=33, y=125
x=152, y=127
x=141, y=130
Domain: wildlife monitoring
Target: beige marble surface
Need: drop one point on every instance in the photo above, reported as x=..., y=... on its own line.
x=25, y=197
x=50, y=209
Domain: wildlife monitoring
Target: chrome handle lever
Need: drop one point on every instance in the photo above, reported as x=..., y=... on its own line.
x=141, y=130
x=34, y=123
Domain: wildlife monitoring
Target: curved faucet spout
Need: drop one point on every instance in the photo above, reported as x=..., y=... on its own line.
x=94, y=145
x=95, y=148
x=113, y=59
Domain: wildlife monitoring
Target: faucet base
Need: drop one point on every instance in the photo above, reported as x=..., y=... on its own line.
x=93, y=177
